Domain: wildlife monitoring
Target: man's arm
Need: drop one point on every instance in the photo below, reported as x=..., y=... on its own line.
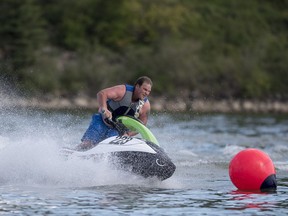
x=145, y=111
x=143, y=117
x=114, y=93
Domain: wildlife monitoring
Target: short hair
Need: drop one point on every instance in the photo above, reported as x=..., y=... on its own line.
x=143, y=79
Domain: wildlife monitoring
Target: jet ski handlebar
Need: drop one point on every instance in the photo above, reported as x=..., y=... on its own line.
x=120, y=127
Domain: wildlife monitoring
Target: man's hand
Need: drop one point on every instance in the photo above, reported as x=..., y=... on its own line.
x=106, y=113
x=130, y=133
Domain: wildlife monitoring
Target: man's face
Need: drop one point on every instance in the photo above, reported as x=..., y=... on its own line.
x=143, y=90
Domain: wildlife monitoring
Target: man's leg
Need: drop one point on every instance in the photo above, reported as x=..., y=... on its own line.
x=94, y=134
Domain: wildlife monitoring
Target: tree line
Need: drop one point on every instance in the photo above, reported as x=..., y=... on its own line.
x=199, y=49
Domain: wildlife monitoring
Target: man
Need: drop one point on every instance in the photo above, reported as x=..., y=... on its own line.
x=120, y=100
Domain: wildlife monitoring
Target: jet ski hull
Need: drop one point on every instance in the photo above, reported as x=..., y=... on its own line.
x=146, y=164
x=135, y=155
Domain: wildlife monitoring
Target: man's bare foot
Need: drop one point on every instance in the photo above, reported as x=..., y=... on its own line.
x=85, y=145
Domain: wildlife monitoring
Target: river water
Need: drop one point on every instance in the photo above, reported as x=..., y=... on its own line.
x=35, y=179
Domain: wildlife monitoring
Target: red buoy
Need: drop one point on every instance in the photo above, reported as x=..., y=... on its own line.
x=252, y=169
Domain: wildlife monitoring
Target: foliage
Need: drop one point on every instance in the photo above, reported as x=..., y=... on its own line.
x=211, y=49
x=21, y=32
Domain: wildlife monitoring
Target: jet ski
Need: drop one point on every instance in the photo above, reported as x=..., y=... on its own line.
x=140, y=155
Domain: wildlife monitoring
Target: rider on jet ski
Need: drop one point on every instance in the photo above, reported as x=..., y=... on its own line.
x=119, y=100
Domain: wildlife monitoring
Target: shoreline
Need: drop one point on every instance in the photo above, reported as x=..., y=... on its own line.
x=158, y=104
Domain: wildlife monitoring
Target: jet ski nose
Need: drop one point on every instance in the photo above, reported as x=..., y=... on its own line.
x=165, y=169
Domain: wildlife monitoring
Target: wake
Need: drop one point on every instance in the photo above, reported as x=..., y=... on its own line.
x=30, y=153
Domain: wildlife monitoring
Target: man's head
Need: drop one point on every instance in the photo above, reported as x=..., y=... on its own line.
x=143, y=86
x=143, y=79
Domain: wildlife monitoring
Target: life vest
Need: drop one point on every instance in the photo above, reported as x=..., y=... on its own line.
x=125, y=107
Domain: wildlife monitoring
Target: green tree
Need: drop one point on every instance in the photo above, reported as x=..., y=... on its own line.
x=21, y=31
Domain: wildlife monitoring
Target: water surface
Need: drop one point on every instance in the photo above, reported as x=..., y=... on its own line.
x=35, y=179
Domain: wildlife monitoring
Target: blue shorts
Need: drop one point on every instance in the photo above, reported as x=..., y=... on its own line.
x=98, y=130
